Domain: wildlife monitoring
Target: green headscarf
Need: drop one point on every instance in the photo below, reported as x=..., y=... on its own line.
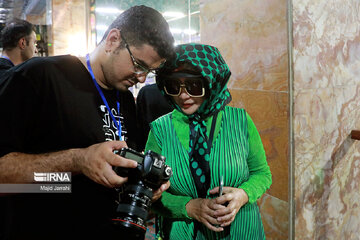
x=208, y=61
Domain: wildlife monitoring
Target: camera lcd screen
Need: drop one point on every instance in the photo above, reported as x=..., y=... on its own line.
x=134, y=157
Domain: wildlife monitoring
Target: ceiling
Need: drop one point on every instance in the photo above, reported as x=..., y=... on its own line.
x=10, y=9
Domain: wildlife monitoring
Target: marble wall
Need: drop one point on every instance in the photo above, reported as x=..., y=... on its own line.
x=252, y=37
x=326, y=108
x=69, y=27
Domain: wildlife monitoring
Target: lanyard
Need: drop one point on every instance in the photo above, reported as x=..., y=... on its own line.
x=117, y=124
x=8, y=59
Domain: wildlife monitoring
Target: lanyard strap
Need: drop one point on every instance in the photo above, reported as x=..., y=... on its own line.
x=117, y=124
x=8, y=59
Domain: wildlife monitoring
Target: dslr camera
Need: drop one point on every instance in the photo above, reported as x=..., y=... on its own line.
x=135, y=199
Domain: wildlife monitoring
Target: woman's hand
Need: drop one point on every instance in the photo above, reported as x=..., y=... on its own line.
x=203, y=210
x=235, y=197
x=157, y=193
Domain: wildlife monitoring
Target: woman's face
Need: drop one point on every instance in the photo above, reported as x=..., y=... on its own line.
x=187, y=103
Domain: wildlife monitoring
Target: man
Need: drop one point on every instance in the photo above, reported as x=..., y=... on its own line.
x=150, y=104
x=67, y=114
x=19, y=43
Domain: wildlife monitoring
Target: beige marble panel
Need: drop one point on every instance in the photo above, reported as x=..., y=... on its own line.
x=326, y=109
x=327, y=163
x=69, y=27
x=326, y=43
x=252, y=37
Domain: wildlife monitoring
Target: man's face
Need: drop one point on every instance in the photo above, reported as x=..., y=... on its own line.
x=30, y=49
x=119, y=69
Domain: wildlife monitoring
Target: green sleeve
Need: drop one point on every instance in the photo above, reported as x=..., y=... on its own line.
x=152, y=144
x=260, y=175
x=169, y=205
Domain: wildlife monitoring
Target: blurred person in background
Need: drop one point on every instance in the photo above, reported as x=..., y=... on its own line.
x=19, y=43
x=150, y=104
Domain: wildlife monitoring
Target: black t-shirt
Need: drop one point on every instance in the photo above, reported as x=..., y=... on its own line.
x=47, y=105
x=5, y=65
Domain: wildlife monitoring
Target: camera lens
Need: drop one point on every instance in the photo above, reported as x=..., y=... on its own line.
x=132, y=212
x=135, y=200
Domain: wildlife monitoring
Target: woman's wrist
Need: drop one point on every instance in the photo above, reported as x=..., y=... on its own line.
x=244, y=196
x=189, y=208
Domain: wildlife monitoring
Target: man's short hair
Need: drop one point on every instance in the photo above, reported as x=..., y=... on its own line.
x=144, y=25
x=14, y=31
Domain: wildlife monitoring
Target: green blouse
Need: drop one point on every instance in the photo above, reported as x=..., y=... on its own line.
x=173, y=206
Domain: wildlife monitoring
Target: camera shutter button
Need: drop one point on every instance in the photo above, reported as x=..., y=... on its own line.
x=168, y=171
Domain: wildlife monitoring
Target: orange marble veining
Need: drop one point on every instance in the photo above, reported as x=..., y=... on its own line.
x=265, y=77
x=269, y=112
x=326, y=109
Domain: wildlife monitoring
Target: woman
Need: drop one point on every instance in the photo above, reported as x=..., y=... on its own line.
x=205, y=141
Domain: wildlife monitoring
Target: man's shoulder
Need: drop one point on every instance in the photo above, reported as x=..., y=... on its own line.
x=43, y=63
x=5, y=64
x=149, y=90
x=127, y=99
x=41, y=72
x=166, y=117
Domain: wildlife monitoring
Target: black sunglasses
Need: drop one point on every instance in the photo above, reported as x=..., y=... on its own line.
x=194, y=86
x=140, y=69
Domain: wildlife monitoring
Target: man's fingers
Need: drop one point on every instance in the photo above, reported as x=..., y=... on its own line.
x=112, y=178
x=105, y=182
x=116, y=145
x=116, y=160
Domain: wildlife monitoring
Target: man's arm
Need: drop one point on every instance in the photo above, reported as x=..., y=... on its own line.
x=95, y=162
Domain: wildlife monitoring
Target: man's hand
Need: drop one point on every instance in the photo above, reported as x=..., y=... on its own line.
x=235, y=197
x=98, y=160
x=158, y=192
x=203, y=210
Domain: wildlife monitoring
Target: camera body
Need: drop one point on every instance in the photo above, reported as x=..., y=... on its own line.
x=151, y=172
x=151, y=168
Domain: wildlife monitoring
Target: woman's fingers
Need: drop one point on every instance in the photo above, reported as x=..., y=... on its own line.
x=214, y=190
x=227, y=217
x=213, y=228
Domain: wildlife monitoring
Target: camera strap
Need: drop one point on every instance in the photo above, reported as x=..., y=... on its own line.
x=116, y=123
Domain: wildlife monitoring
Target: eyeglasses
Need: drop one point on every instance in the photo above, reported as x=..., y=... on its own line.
x=193, y=86
x=141, y=70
